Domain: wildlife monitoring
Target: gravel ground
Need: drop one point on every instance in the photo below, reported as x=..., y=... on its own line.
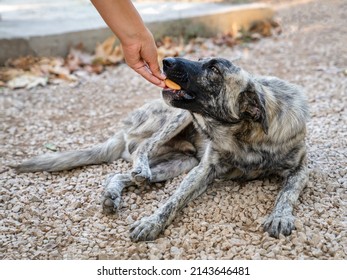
x=58, y=215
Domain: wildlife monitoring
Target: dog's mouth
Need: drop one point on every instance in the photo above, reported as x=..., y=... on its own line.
x=175, y=90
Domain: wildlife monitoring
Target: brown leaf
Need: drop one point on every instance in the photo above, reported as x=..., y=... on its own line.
x=23, y=62
x=108, y=52
x=225, y=40
x=94, y=68
x=168, y=47
x=264, y=27
x=59, y=70
x=7, y=74
x=77, y=58
x=73, y=62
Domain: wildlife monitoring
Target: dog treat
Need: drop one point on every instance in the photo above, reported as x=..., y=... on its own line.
x=172, y=84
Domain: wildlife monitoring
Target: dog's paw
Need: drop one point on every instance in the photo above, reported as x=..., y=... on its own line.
x=279, y=224
x=188, y=148
x=146, y=229
x=111, y=197
x=110, y=202
x=141, y=175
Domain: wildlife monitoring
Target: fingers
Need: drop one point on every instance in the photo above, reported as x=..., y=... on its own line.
x=143, y=58
x=145, y=72
x=156, y=72
x=155, y=69
x=150, y=57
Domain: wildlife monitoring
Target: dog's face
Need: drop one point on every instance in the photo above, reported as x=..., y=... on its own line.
x=215, y=88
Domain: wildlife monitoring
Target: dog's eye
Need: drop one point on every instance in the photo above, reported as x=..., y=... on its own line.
x=214, y=69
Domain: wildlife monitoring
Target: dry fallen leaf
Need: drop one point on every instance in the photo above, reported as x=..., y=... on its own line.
x=29, y=71
x=108, y=52
x=168, y=47
x=265, y=28
x=27, y=81
x=51, y=146
x=225, y=40
x=94, y=68
x=77, y=58
x=7, y=74
x=23, y=62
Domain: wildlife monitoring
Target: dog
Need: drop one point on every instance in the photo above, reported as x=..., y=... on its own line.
x=224, y=123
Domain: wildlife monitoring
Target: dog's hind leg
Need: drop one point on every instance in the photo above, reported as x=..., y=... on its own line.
x=108, y=151
x=141, y=171
x=171, y=165
x=163, y=168
x=281, y=220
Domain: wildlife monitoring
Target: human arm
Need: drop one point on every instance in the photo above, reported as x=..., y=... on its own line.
x=140, y=51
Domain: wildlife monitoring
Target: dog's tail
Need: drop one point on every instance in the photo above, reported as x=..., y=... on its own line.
x=108, y=151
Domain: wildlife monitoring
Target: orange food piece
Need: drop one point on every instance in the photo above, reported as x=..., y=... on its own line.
x=172, y=85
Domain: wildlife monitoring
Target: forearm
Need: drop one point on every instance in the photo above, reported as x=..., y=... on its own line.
x=138, y=45
x=122, y=17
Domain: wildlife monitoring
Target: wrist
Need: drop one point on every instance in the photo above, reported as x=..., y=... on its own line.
x=138, y=35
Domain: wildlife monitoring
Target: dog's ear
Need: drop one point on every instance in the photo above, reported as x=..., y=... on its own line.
x=252, y=106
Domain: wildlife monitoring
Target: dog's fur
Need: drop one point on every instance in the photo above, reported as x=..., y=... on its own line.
x=223, y=124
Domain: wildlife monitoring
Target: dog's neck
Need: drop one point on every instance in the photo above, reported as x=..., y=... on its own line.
x=200, y=125
x=212, y=128
x=226, y=137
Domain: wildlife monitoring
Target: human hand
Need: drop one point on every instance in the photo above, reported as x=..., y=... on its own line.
x=139, y=49
x=141, y=55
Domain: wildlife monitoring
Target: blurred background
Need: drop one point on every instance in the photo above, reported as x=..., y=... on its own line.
x=45, y=40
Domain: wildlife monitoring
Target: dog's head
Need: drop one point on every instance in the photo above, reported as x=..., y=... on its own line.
x=216, y=89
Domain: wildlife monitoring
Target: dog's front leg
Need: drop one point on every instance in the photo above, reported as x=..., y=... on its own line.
x=114, y=186
x=194, y=184
x=281, y=220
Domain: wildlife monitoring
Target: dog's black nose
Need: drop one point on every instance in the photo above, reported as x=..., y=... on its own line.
x=169, y=62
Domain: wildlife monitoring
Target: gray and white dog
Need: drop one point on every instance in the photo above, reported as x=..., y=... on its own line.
x=224, y=123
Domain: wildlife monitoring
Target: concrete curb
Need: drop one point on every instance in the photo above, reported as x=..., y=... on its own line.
x=229, y=19
x=193, y=20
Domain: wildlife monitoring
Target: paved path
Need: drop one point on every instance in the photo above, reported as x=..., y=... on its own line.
x=44, y=17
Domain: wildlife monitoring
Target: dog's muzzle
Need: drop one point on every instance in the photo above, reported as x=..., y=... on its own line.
x=174, y=70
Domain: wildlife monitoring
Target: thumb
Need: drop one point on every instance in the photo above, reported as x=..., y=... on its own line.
x=155, y=69
x=144, y=71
